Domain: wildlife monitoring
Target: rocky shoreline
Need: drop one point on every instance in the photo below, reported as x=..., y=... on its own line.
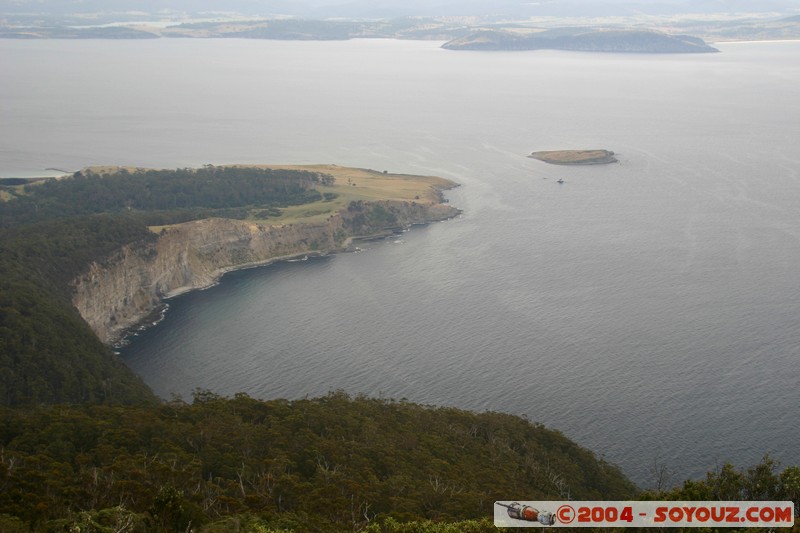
x=116, y=295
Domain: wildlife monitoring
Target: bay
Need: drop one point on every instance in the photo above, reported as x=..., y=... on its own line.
x=649, y=309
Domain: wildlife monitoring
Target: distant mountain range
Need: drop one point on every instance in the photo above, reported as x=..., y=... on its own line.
x=586, y=40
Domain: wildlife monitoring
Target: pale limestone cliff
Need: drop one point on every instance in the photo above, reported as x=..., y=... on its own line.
x=119, y=292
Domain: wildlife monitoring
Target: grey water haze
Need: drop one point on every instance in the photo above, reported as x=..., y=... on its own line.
x=647, y=309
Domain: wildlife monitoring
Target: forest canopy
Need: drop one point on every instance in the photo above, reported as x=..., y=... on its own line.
x=326, y=464
x=334, y=463
x=201, y=191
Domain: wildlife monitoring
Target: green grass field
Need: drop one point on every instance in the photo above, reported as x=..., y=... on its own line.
x=353, y=184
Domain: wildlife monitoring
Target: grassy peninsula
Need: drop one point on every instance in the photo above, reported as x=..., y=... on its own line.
x=575, y=157
x=358, y=184
x=52, y=231
x=275, y=193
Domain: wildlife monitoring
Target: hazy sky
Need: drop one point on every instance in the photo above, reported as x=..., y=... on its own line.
x=393, y=8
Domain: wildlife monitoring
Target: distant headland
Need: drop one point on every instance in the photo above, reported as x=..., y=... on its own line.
x=575, y=157
x=333, y=208
x=96, y=253
x=581, y=40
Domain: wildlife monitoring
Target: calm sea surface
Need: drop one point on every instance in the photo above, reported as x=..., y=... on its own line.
x=648, y=309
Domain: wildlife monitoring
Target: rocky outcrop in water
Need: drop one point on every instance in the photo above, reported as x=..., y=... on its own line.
x=575, y=157
x=119, y=292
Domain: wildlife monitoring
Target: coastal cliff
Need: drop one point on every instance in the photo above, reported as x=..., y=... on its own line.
x=119, y=292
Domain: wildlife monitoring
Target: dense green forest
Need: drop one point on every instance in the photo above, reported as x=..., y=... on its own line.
x=762, y=482
x=50, y=231
x=166, y=195
x=47, y=351
x=327, y=464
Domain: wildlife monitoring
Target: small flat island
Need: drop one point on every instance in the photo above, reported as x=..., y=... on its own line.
x=575, y=157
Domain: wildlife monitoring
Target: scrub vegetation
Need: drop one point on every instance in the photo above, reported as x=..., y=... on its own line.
x=327, y=464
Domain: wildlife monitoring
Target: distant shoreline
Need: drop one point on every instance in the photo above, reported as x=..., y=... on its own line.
x=758, y=41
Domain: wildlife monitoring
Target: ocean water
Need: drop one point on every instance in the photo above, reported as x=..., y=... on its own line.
x=649, y=310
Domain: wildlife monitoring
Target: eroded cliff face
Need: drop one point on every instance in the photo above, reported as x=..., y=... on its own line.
x=119, y=292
